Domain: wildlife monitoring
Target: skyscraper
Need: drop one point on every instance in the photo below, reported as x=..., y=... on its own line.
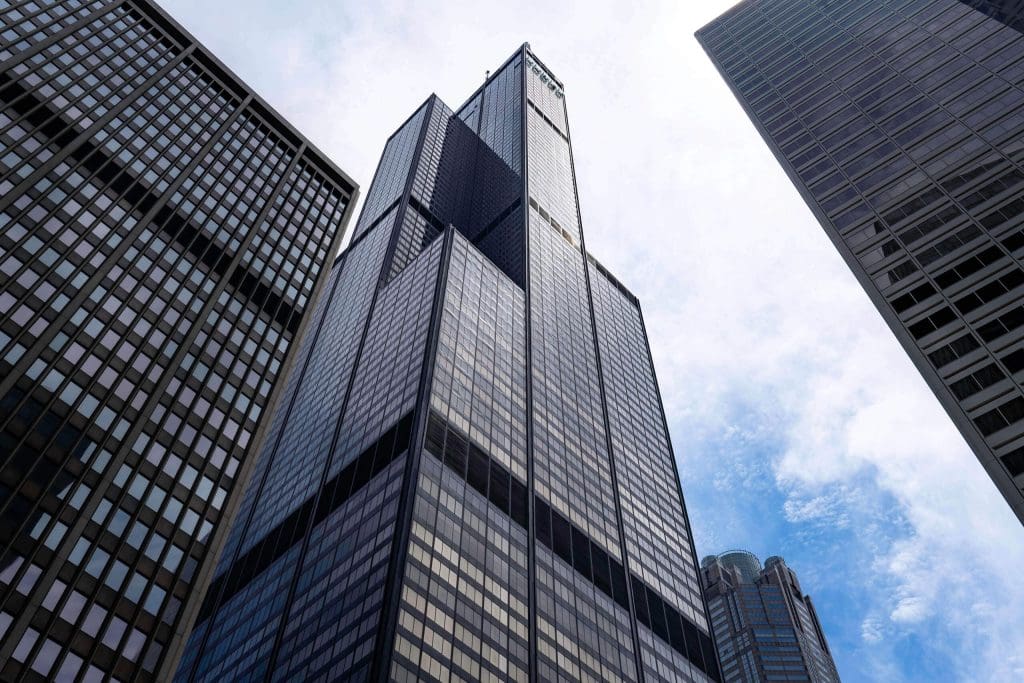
x=900, y=123
x=162, y=234
x=470, y=475
x=765, y=627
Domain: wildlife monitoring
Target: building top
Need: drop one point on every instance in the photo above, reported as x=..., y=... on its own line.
x=762, y=618
x=274, y=119
x=743, y=561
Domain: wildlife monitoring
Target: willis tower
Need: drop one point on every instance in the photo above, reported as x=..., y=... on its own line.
x=469, y=475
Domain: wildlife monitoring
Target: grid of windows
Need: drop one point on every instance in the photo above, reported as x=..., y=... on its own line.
x=428, y=163
x=503, y=243
x=465, y=596
x=552, y=184
x=571, y=463
x=545, y=93
x=415, y=233
x=1006, y=11
x=479, y=380
x=582, y=634
x=392, y=172
x=140, y=339
x=239, y=638
x=323, y=521
x=665, y=664
x=551, y=180
x=332, y=619
x=275, y=424
x=900, y=121
x=655, y=527
x=85, y=74
x=463, y=609
x=387, y=380
x=429, y=191
x=293, y=460
x=484, y=205
x=28, y=24
x=501, y=114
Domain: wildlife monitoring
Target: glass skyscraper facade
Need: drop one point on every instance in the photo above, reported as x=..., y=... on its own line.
x=901, y=124
x=765, y=626
x=469, y=476
x=163, y=235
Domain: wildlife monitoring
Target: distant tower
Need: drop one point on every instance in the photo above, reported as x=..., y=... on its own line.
x=766, y=628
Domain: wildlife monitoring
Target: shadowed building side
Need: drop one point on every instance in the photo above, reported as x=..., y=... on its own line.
x=164, y=236
x=900, y=123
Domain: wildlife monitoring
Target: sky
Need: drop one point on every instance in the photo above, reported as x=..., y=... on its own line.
x=801, y=427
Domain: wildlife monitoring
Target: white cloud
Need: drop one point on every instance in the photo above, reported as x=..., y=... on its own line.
x=758, y=329
x=822, y=508
x=871, y=630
